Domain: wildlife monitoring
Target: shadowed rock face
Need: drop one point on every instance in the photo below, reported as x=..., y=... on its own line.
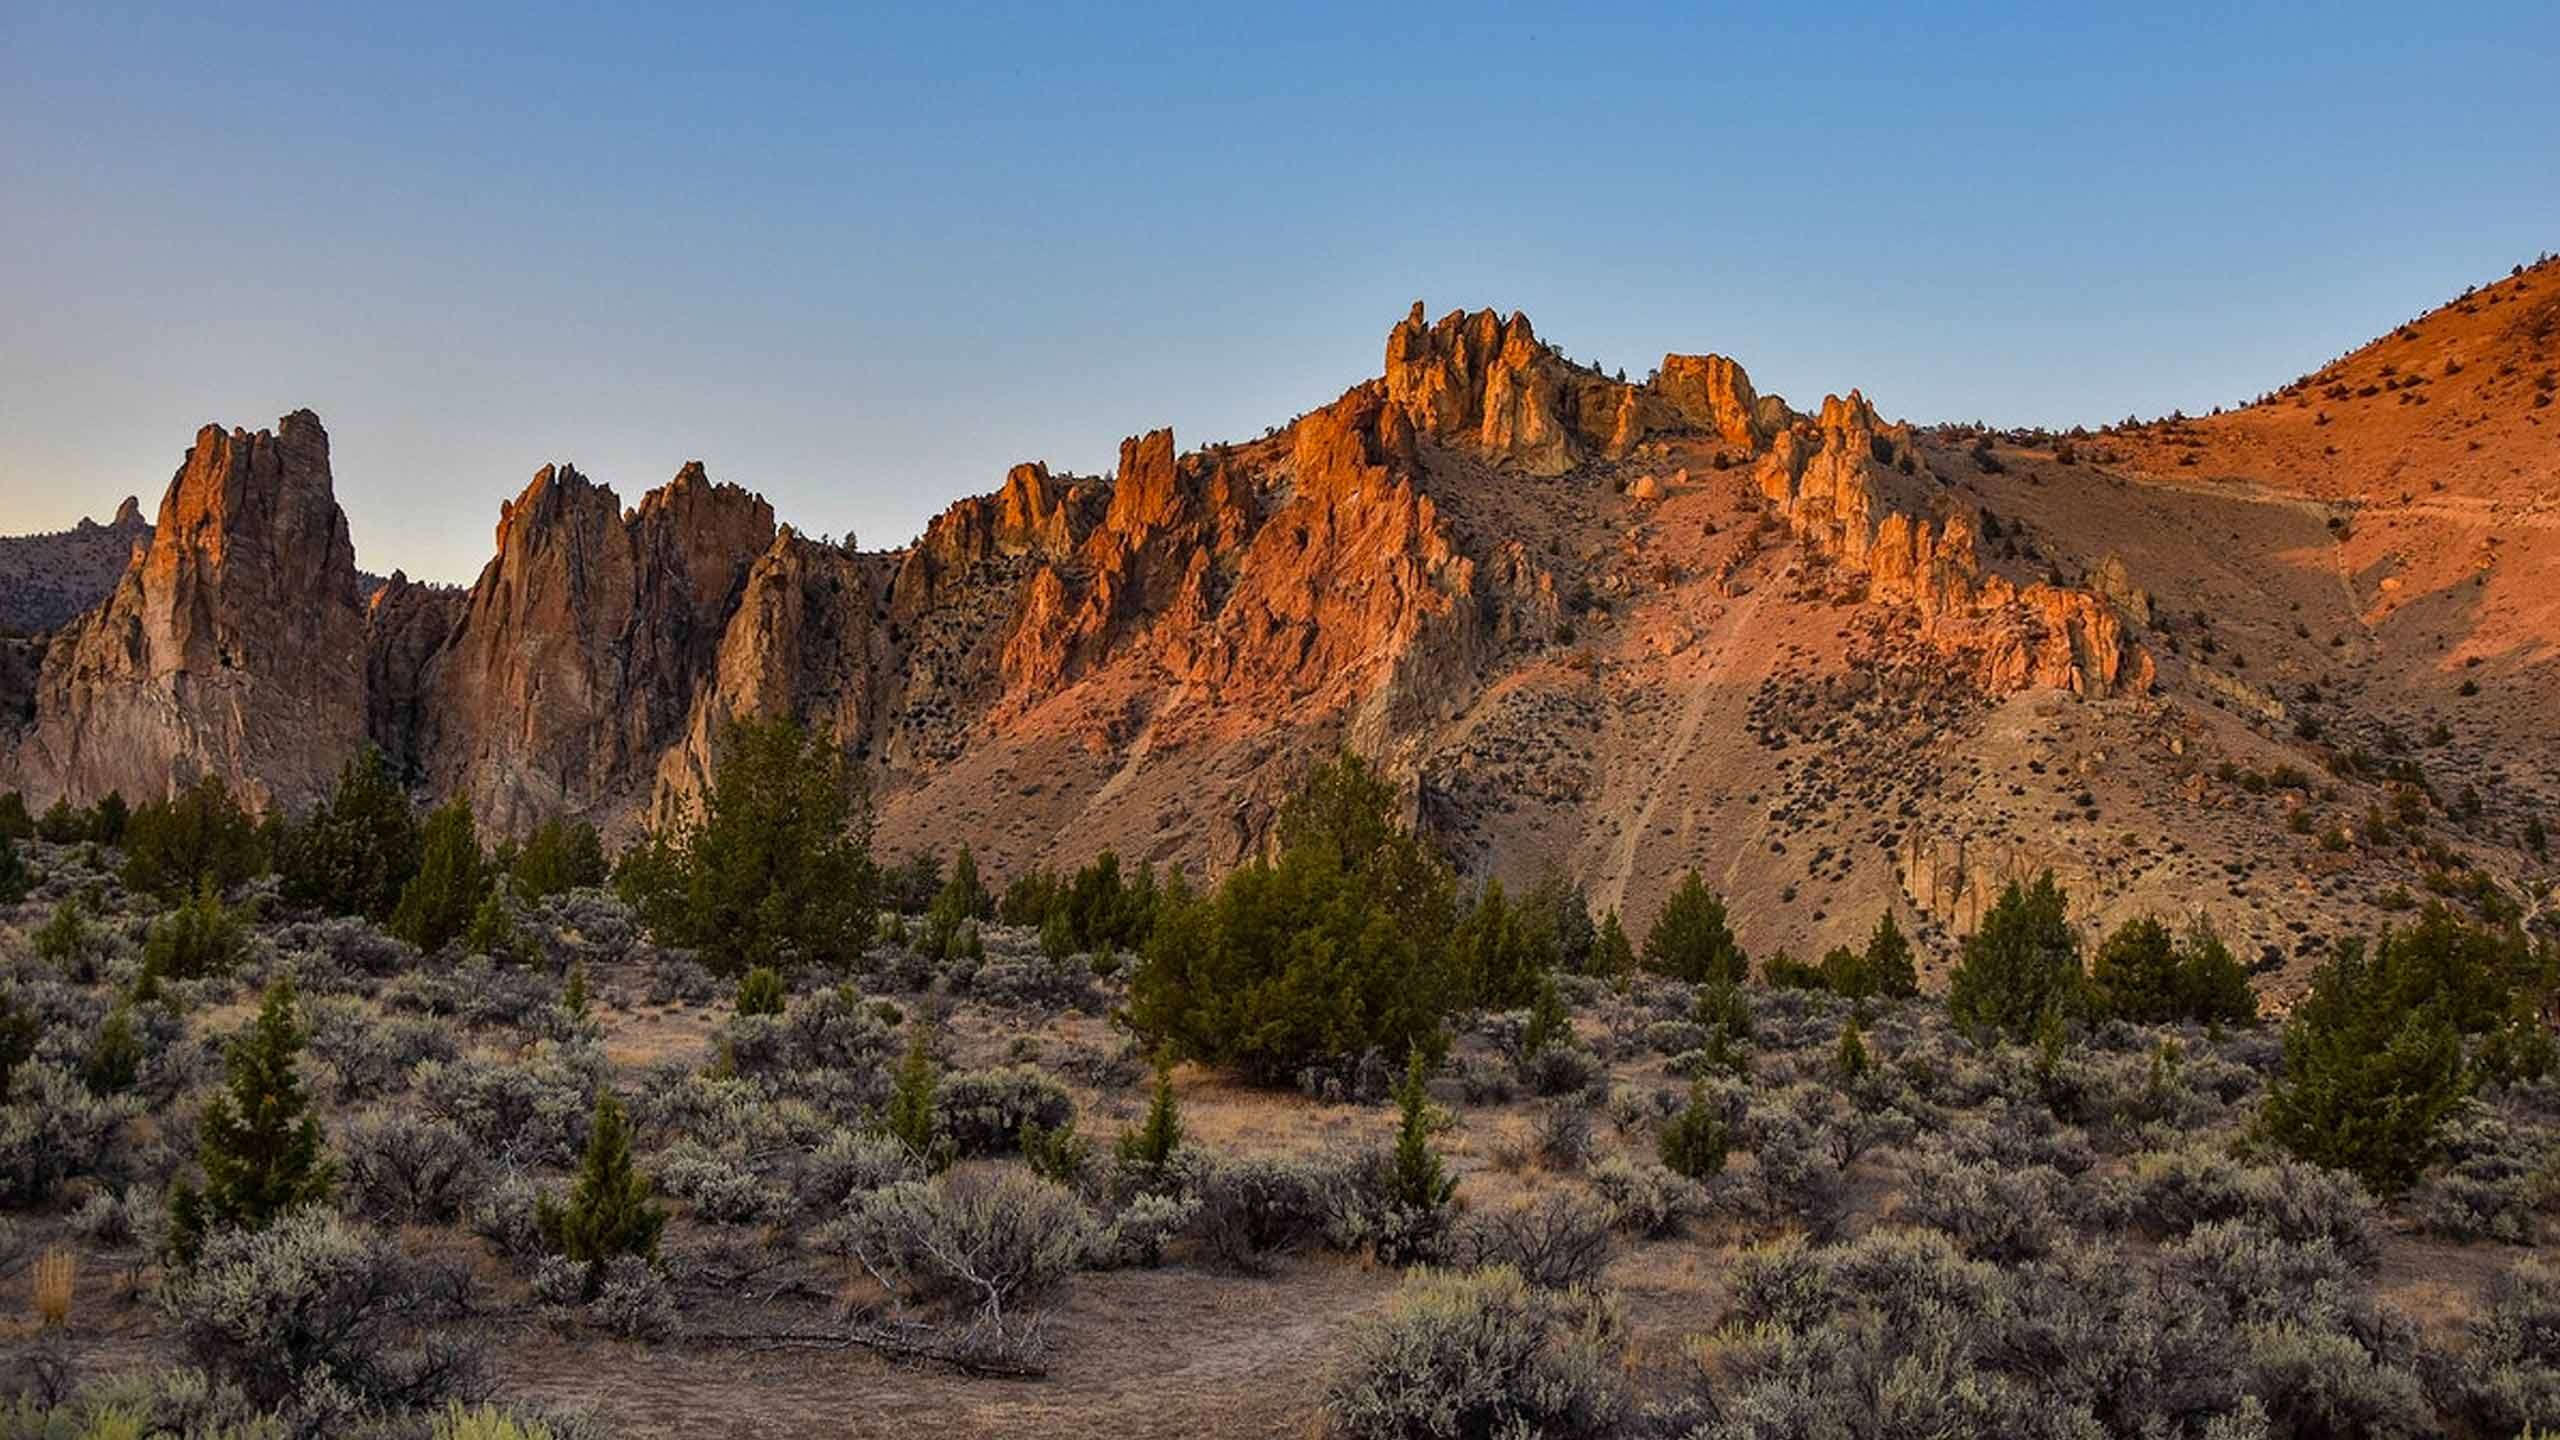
x=234, y=643
x=1310, y=581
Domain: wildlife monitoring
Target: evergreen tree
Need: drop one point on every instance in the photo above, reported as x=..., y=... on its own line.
x=2023, y=961
x=2366, y=1083
x=1725, y=1014
x=777, y=870
x=1502, y=952
x=761, y=992
x=909, y=1118
x=15, y=881
x=353, y=854
x=437, y=905
x=201, y=834
x=1851, y=1059
x=1611, y=954
x=2134, y=974
x=62, y=825
x=65, y=938
x=957, y=906
x=1550, y=1023
x=1416, y=1180
x=493, y=932
x=573, y=996
x=1338, y=945
x=1839, y=967
x=113, y=815
x=19, y=1028
x=260, y=1145
x=609, y=1212
x=114, y=1060
x=15, y=822
x=1691, y=940
x=200, y=937
x=1694, y=1141
x=1889, y=970
x=1149, y=1148
x=2213, y=986
x=559, y=856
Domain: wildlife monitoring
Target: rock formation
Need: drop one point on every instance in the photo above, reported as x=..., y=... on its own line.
x=234, y=643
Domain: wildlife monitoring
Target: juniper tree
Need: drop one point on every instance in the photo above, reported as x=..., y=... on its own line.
x=356, y=851
x=114, y=1060
x=1694, y=1141
x=1888, y=967
x=2020, y=963
x=909, y=1116
x=1691, y=939
x=560, y=855
x=2365, y=1085
x=173, y=846
x=1149, y=1148
x=761, y=992
x=15, y=882
x=200, y=937
x=1417, y=1182
x=260, y=1146
x=437, y=904
x=609, y=1212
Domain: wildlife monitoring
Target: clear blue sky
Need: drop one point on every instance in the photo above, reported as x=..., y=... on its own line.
x=862, y=261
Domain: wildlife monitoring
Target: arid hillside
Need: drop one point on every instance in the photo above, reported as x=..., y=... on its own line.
x=48, y=580
x=2286, y=664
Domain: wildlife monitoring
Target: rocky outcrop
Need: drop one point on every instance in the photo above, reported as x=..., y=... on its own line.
x=1858, y=492
x=575, y=659
x=1489, y=385
x=47, y=581
x=1712, y=393
x=233, y=644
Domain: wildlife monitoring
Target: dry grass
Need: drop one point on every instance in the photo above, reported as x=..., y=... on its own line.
x=56, y=1278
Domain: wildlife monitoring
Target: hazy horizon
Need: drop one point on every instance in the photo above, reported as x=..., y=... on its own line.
x=862, y=264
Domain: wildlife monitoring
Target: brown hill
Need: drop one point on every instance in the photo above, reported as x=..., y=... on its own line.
x=47, y=580
x=1617, y=630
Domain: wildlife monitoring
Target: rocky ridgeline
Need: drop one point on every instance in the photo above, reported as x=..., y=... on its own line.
x=1308, y=581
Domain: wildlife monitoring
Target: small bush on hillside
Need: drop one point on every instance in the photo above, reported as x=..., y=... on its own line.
x=2508, y=1379
x=1643, y=1200
x=1481, y=1354
x=403, y=1169
x=995, y=1242
x=720, y=1189
x=2494, y=1181
x=535, y=1113
x=1694, y=1142
x=2007, y=1216
x=1253, y=1211
x=315, y=1301
x=54, y=1128
x=761, y=992
x=1556, y=1242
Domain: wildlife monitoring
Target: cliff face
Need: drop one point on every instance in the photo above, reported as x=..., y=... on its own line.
x=1312, y=584
x=574, y=660
x=234, y=642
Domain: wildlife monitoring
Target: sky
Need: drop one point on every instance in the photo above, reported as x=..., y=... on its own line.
x=862, y=259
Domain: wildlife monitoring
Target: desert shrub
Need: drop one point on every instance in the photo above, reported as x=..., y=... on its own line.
x=199, y=938
x=633, y=1300
x=356, y=850
x=1253, y=1211
x=776, y=870
x=1556, y=1242
x=982, y=1112
x=312, y=1299
x=507, y=1214
x=1136, y=1237
x=1644, y=1200
x=1563, y=1070
x=850, y=1164
x=680, y=978
x=200, y=836
x=1035, y=980
x=371, y=1055
x=261, y=1147
x=1691, y=940
x=437, y=904
x=55, y=1128
x=2022, y=961
x=1335, y=947
x=1993, y=1212
x=2144, y=974
x=996, y=1242
x=404, y=1169
x=112, y=1219
x=2507, y=1380
x=720, y=1189
x=1480, y=1354
x=535, y=1113
x=608, y=1212
x=2493, y=1183
x=1560, y=1134
x=346, y=945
